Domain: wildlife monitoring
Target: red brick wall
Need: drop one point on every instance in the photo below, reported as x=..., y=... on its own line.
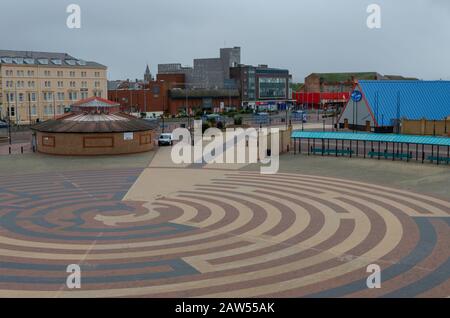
x=173, y=80
x=153, y=99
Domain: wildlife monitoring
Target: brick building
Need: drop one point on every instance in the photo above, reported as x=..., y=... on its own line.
x=321, y=89
x=152, y=98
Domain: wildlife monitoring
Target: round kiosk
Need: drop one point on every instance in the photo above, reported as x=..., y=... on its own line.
x=95, y=126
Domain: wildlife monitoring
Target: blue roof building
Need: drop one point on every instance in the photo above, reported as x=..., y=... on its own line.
x=384, y=103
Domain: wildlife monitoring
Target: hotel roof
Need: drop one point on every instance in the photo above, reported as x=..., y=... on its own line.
x=49, y=59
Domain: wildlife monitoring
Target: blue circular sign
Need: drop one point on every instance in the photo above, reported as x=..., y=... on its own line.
x=357, y=96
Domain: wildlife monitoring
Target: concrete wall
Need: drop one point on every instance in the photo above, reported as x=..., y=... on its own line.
x=94, y=144
x=426, y=127
x=285, y=140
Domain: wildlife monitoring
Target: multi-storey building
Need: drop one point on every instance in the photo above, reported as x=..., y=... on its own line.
x=207, y=73
x=37, y=86
x=262, y=85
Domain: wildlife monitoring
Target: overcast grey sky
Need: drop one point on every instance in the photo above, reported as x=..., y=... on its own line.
x=302, y=35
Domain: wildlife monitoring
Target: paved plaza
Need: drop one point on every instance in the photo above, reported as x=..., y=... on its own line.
x=140, y=226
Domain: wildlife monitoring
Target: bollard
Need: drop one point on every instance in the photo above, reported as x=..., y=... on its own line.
x=21, y=150
x=9, y=149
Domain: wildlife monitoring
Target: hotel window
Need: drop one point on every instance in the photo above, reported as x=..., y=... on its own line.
x=33, y=110
x=47, y=73
x=97, y=74
x=84, y=95
x=72, y=74
x=73, y=95
x=20, y=97
x=48, y=96
x=50, y=110
x=60, y=84
x=83, y=74
x=60, y=73
x=10, y=97
x=84, y=84
x=33, y=97
x=97, y=84
x=45, y=110
x=11, y=111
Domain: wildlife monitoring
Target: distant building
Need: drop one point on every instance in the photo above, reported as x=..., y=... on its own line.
x=126, y=84
x=385, y=103
x=165, y=97
x=209, y=100
x=141, y=97
x=211, y=85
x=322, y=89
x=336, y=82
x=207, y=73
x=148, y=75
x=261, y=85
x=37, y=86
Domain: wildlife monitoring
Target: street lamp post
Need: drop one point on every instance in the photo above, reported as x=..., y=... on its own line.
x=54, y=105
x=9, y=117
x=287, y=116
x=29, y=108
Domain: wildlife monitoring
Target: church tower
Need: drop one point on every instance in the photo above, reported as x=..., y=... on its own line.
x=147, y=75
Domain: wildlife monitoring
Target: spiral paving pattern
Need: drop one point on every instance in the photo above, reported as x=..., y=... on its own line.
x=239, y=234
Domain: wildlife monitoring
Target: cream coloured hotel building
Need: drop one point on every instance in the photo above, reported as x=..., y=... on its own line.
x=37, y=86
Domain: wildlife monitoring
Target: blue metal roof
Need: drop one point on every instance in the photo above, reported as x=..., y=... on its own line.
x=411, y=139
x=416, y=100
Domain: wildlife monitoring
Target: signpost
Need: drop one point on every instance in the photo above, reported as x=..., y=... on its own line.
x=356, y=98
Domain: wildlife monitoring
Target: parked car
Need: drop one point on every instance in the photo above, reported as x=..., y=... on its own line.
x=165, y=140
x=300, y=115
x=3, y=124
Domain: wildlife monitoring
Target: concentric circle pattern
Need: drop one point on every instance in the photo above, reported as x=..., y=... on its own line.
x=241, y=234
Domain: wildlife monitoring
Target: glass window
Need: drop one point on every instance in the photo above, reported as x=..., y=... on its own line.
x=272, y=87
